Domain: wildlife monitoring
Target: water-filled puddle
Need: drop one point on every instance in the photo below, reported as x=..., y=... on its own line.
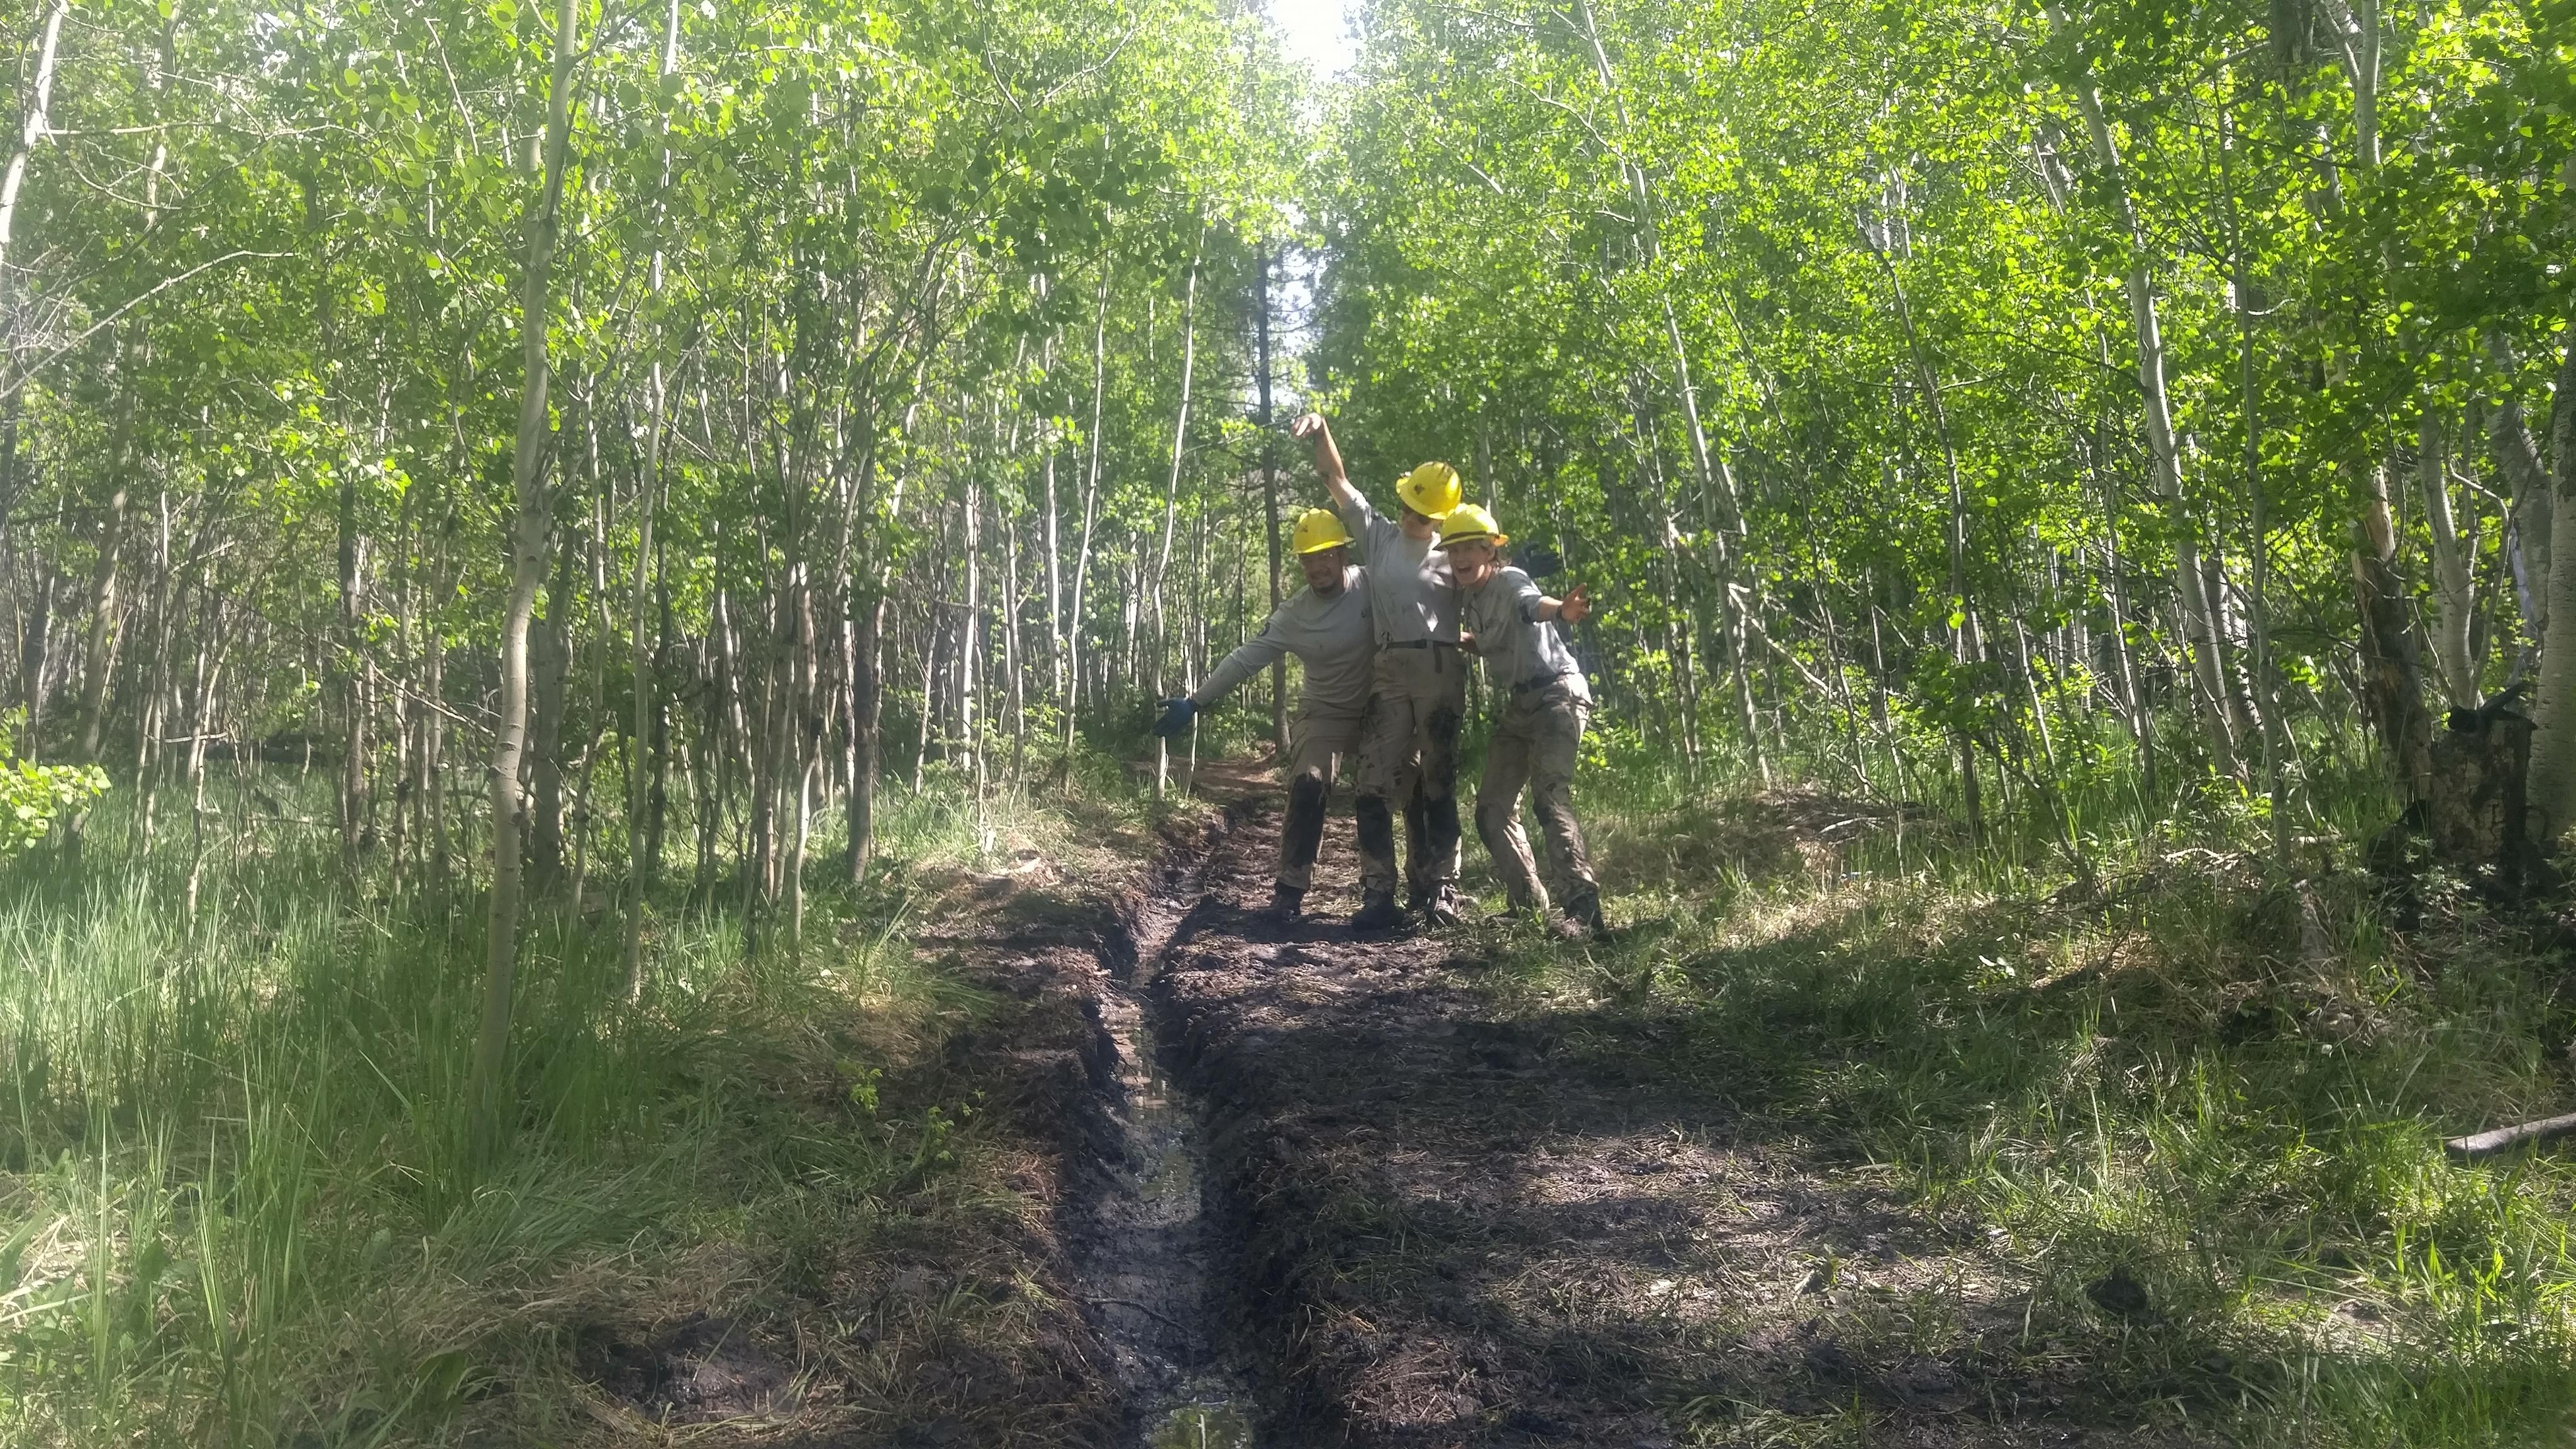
x=1144, y=1252
x=1202, y=1426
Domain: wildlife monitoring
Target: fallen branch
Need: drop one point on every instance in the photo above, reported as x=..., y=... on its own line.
x=1141, y=1308
x=2485, y=1144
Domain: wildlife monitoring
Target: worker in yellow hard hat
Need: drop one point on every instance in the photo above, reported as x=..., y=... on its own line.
x=1327, y=626
x=1538, y=726
x=1409, y=746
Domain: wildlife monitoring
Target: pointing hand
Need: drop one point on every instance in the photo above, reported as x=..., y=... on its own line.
x=1577, y=606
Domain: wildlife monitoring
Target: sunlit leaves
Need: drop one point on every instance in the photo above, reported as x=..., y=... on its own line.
x=1858, y=212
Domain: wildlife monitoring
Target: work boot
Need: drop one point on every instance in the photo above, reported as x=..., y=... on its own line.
x=1442, y=906
x=1585, y=912
x=1287, y=903
x=1377, y=914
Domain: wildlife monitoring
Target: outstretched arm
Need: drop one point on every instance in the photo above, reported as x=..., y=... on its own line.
x=1574, y=608
x=1328, y=458
x=1249, y=658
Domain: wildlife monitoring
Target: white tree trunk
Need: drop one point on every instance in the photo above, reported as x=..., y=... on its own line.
x=1172, y=503
x=2453, y=592
x=2552, y=788
x=528, y=528
x=2208, y=666
x=35, y=126
x=1090, y=512
x=640, y=645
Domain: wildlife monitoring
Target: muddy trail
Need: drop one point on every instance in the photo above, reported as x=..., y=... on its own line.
x=1150, y=1252
x=1343, y=1197
x=1322, y=1190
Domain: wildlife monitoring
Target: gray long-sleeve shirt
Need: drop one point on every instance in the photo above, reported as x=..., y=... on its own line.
x=1408, y=576
x=1519, y=646
x=1332, y=637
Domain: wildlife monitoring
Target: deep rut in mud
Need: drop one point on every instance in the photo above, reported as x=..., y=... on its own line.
x=1147, y=1256
x=1389, y=1210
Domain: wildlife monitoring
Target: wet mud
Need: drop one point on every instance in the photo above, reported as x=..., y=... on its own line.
x=1286, y=1186
x=1149, y=1249
x=1450, y=1225
x=954, y=1316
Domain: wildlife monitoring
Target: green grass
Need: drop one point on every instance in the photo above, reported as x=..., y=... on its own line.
x=2167, y=1076
x=236, y=1205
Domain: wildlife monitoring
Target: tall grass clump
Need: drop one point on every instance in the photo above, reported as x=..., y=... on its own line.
x=237, y=1205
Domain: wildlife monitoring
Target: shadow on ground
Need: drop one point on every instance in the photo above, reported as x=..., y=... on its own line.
x=1466, y=1227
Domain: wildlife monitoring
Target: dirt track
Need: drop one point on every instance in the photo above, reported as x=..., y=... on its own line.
x=1431, y=1222
x=1255, y=1188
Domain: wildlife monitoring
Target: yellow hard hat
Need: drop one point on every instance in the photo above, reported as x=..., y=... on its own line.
x=1430, y=490
x=1468, y=523
x=1317, y=530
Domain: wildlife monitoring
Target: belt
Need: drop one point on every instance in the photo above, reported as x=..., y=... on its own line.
x=1421, y=644
x=1541, y=681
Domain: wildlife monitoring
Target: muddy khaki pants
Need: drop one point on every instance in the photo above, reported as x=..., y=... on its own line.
x=1316, y=745
x=1409, y=761
x=1534, y=744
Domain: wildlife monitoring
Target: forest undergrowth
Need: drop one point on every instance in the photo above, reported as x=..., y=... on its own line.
x=2197, y=1102
x=601, y=455
x=246, y=1209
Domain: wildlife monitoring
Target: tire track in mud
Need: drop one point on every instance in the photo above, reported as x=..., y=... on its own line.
x=1423, y=1220
x=1148, y=1256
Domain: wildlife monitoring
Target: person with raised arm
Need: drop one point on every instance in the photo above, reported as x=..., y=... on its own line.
x=1328, y=627
x=1409, y=742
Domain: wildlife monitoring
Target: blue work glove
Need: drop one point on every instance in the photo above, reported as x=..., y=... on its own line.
x=1177, y=714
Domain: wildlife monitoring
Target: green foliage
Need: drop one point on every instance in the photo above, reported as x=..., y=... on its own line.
x=1879, y=257
x=1808, y=335
x=33, y=797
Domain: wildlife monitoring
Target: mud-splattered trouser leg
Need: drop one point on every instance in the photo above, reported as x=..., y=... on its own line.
x=1386, y=766
x=1431, y=828
x=1409, y=743
x=1316, y=745
x=1534, y=746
